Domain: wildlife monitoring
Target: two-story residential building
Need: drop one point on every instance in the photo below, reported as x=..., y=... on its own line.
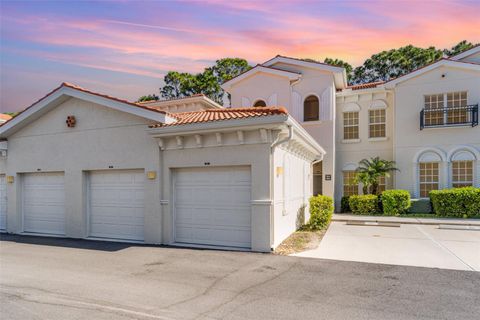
x=188, y=172
x=426, y=120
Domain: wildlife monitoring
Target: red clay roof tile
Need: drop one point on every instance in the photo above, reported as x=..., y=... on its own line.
x=211, y=115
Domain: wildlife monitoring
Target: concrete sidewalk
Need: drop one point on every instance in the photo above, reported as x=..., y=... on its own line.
x=343, y=217
x=432, y=246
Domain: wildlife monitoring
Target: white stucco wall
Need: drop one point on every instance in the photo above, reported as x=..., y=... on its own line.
x=410, y=141
x=101, y=138
x=292, y=189
x=350, y=152
x=291, y=96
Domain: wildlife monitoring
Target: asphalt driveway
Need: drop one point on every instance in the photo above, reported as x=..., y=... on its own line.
x=45, y=278
x=410, y=244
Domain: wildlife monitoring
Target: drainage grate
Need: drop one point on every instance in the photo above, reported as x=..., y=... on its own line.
x=372, y=223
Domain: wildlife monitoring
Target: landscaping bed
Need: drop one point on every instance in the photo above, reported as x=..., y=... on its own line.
x=301, y=240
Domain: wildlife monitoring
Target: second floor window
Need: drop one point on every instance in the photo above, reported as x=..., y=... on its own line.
x=311, y=109
x=376, y=123
x=446, y=108
x=259, y=103
x=350, y=125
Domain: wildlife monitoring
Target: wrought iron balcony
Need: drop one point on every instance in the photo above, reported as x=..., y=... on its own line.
x=449, y=117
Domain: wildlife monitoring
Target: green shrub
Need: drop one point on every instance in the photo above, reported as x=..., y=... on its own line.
x=457, y=202
x=395, y=202
x=420, y=206
x=364, y=204
x=344, y=205
x=321, y=210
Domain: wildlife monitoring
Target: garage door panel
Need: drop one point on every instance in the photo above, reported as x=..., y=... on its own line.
x=213, y=207
x=3, y=202
x=44, y=203
x=117, y=204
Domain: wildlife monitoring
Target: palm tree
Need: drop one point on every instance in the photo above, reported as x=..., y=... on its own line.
x=370, y=171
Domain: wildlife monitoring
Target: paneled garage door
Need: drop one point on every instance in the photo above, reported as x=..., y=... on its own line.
x=3, y=202
x=213, y=206
x=117, y=204
x=44, y=203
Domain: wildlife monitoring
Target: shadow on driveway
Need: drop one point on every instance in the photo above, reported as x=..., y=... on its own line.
x=68, y=242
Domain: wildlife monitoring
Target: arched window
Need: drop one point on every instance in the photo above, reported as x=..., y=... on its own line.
x=311, y=108
x=462, y=168
x=259, y=103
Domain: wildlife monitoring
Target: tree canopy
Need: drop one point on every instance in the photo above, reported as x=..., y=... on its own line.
x=381, y=66
x=148, y=97
x=208, y=82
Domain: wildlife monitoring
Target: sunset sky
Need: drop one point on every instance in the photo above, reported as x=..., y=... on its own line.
x=124, y=48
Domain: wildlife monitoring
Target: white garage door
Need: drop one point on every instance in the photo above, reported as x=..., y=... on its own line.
x=117, y=204
x=3, y=202
x=44, y=203
x=213, y=206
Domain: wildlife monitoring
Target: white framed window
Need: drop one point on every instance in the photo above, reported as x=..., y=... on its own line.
x=350, y=187
x=429, y=176
x=446, y=108
x=350, y=125
x=462, y=173
x=317, y=178
x=376, y=123
x=382, y=184
x=456, y=101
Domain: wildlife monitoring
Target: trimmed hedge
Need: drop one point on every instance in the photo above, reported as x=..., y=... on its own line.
x=364, y=204
x=321, y=210
x=395, y=202
x=344, y=205
x=457, y=202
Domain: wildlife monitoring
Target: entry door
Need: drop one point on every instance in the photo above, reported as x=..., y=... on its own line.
x=3, y=202
x=44, y=203
x=212, y=206
x=116, y=200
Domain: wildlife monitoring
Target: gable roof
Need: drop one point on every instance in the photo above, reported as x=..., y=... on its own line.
x=290, y=75
x=339, y=73
x=66, y=91
x=440, y=63
x=199, y=97
x=466, y=53
x=213, y=115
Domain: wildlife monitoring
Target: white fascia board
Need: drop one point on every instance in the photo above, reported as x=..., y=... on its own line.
x=447, y=63
x=282, y=73
x=187, y=100
x=63, y=94
x=339, y=73
x=215, y=126
x=467, y=53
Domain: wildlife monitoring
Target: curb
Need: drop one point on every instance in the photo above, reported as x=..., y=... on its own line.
x=416, y=221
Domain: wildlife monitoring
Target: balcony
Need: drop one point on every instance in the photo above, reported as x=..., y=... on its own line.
x=449, y=117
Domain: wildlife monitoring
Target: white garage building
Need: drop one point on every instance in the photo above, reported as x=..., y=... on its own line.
x=183, y=172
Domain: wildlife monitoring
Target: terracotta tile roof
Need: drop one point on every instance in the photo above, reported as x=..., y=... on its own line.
x=5, y=117
x=172, y=99
x=365, y=85
x=211, y=115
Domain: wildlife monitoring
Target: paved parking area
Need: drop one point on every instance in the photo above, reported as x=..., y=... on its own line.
x=409, y=245
x=46, y=278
